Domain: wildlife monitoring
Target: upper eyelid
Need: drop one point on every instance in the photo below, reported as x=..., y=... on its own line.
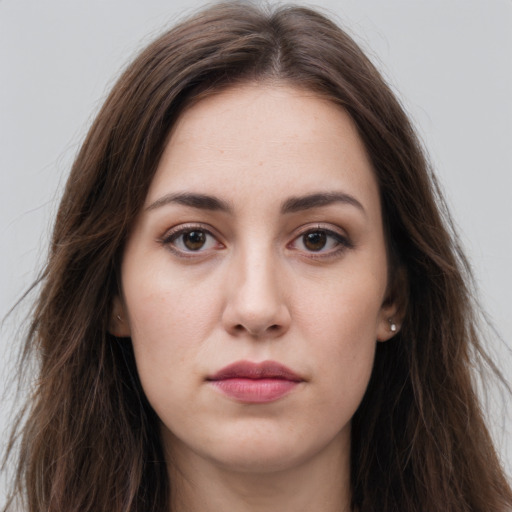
x=327, y=227
x=188, y=226
x=343, y=239
x=328, y=232
x=319, y=226
x=171, y=235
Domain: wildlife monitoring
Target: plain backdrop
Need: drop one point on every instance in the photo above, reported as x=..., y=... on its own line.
x=450, y=62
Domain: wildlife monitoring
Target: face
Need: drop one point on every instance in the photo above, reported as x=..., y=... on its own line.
x=254, y=282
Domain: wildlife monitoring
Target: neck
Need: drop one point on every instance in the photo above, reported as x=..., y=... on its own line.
x=319, y=483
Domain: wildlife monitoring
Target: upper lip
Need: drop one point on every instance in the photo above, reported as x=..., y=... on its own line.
x=251, y=370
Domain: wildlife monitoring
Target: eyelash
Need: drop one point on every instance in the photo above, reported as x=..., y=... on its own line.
x=342, y=242
x=170, y=238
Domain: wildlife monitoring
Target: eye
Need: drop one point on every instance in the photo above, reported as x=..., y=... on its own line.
x=315, y=240
x=190, y=239
x=320, y=240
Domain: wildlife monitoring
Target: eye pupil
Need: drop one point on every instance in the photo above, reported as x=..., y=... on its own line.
x=315, y=241
x=194, y=240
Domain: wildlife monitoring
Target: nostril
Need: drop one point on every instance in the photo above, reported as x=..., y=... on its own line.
x=240, y=328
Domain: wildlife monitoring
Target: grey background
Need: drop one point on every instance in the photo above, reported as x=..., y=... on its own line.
x=450, y=61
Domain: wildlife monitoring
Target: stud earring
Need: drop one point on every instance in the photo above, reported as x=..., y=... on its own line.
x=392, y=326
x=118, y=317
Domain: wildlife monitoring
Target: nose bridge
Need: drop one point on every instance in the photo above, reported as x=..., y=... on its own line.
x=256, y=304
x=258, y=278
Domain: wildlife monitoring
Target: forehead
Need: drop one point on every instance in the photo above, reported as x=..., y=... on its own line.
x=271, y=139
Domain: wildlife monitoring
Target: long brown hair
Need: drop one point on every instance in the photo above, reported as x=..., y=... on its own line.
x=90, y=440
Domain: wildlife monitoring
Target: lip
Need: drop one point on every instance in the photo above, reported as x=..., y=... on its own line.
x=250, y=382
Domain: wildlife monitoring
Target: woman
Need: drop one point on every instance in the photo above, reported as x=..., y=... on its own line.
x=252, y=301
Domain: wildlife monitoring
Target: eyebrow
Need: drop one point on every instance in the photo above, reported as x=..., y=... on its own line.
x=296, y=204
x=200, y=201
x=291, y=205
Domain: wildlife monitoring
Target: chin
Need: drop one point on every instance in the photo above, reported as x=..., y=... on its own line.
x=260, y=458
x=270, y=452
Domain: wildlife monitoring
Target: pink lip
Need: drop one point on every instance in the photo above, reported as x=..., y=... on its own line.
x=255, y=382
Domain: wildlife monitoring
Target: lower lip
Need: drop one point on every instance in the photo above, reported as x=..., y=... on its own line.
x=255, y=391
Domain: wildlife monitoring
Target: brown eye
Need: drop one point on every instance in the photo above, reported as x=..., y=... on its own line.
x=194, y=240
x=315, y=240
x=320, y=242
x=191, y=240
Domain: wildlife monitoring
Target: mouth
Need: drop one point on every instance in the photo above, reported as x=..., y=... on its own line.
x=254, y=383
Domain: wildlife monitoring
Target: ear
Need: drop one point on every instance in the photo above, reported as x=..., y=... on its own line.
x=389, y=324
x=393, y=309
x=118, y=325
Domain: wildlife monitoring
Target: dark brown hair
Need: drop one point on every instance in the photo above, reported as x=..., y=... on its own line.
x=90, y=441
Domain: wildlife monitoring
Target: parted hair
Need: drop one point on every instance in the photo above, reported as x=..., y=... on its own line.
x=89, y=441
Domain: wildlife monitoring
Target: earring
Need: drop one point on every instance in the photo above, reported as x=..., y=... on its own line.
x=392, y=326
x=118, y=317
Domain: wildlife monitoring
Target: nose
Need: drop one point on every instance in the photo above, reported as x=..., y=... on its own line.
x=256, y=304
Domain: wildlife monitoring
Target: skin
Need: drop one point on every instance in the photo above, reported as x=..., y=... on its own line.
x=257, y=291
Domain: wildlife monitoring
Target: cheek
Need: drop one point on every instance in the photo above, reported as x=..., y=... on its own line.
x=169, y=301
x=170, y=321
x=340, y=324
x=346, y=308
